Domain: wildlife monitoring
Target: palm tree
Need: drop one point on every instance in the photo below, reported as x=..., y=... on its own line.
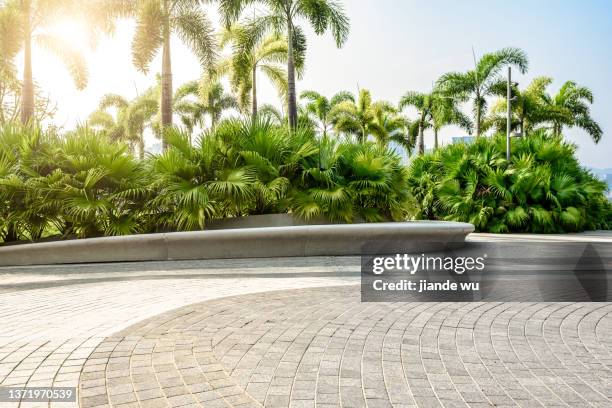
x=250, y=56
x=528, y=107
x=156, y=21
x=10, y=44
x=105, y=121
x=188, y=106
x=195, y=100
x=391, y=126
x=130, y=119
x=28, y=21
x=319, y=108
x=424, y=103
x=445, y=112
x=533, y=108
x=477, y=84
x=357, y=118
x=572, y=105
x=215, y=101
x=282, y=17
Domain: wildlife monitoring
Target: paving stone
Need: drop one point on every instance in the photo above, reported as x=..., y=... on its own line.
x=298, y=342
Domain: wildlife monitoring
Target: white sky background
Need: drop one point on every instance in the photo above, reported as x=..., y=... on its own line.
x=394, y=46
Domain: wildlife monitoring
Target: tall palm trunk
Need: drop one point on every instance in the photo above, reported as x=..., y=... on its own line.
x=292, y=102
x=27, y=90
x=141, y=146
x=421, y=139
x=435, y=139
x=254, y=91
x=166, y=85
x=478, y=114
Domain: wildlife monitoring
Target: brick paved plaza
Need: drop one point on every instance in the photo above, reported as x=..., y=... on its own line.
x=288, y=333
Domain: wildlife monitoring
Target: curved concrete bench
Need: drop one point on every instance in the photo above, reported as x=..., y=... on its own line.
x=310, y=240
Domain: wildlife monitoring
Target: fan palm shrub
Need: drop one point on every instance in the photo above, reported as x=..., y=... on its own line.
x=348, y=182
x=79, y=185
x=542, y=190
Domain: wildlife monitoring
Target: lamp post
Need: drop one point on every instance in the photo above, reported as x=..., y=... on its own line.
x=509, y=113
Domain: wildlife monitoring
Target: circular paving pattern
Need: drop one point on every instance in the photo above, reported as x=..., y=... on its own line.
x=323, y=347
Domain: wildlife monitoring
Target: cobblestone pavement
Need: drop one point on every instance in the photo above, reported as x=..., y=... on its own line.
x=52, y=318
x=323, y=347
x=288, y=333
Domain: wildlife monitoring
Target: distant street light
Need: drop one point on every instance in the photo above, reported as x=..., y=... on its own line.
x=509, y=100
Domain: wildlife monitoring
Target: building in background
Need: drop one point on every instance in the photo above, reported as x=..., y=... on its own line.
x=463, y=139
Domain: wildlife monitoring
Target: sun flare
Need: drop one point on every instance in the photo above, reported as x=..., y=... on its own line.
x=72, y=33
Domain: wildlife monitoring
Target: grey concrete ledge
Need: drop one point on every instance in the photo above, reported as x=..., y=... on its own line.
x=310, y=240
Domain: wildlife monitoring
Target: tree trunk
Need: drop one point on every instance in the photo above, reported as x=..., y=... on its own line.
x=27, y=90
x=435, y=139
x=254, y=91
x=292, y=102
x=141, y=147
x=166, y=86
x=11, y=233
x=421, y=139
x=478, y=113
x=213, y=122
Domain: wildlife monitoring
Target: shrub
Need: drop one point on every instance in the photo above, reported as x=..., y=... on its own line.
x=542, y=190
x=81, y=184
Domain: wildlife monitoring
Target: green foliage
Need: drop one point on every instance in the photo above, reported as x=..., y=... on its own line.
x=85, y=184
x=542, y=190
x=534, y=108
x=81, y=185
x=477, y=84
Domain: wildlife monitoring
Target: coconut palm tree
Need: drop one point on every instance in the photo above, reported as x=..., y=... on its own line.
x=282, y=16
x=424, y=103
x=11, y=42
x=533, y=108
x=358, y=118
x=27, y=21
x=319, y=108
x=478, y=84
x=571, y=105
x=187, y=105
x=156, y=21
x=444, y=112
x=389, y=125
x=528, y=107
x=195, y=100
x=130, y=120
x=105, y=121
x=215, y=101
x=250, y=57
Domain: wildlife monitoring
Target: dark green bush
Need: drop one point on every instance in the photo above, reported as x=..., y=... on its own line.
x=542, y=190
x=83, y=185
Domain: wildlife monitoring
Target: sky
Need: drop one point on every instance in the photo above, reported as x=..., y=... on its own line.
x=394, y=46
